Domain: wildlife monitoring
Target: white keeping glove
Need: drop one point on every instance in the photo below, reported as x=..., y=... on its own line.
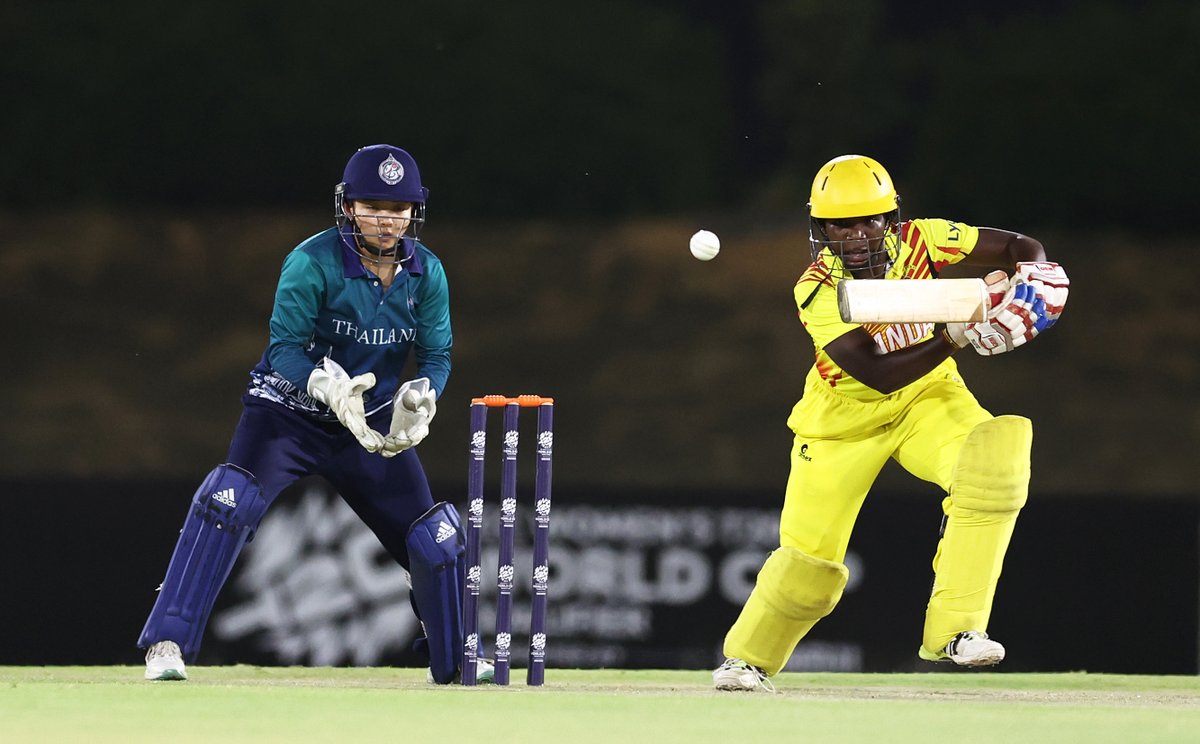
x=413, y=408
x=1051, y=283
x=330, y=384
x=1017, y=319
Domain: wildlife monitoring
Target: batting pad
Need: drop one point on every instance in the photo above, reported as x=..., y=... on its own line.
x=988, y=489
x=992, y=472
x=221, y=519
x=793, y=591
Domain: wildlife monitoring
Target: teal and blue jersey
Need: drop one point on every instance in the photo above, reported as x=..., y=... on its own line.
x=328, y=305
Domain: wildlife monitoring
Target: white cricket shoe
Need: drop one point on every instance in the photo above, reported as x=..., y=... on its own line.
x=736, y=675
x=164, y=661
x=485, y=672
x=970, y=648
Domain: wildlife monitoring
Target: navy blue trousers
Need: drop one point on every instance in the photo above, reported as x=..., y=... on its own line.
x=280, y=446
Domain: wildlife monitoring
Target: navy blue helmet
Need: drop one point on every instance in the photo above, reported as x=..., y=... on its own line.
x=380, y=173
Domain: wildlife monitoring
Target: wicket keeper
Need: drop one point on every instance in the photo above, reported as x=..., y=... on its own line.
x=328, y=398
x=893, y=391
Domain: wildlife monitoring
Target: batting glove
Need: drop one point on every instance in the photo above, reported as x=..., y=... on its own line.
x=413, y=407
x=1019, y=318
x=997, y=283
x=1050, y=282
x=331, y=385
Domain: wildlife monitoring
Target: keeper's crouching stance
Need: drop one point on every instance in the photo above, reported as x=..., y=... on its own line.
x=892, y=391
x=329, y=398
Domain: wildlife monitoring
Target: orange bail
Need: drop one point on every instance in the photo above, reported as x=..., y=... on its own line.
x=524, y=401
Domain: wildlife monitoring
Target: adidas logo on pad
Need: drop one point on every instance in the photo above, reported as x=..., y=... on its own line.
x=225, y=497
x=444, y=533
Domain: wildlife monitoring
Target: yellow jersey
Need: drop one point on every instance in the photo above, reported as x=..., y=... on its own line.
x=926, y=247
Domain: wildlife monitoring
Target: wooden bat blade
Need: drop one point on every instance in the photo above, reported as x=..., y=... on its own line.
x=912, y=300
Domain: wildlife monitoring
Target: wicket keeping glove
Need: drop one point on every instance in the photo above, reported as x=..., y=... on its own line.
x=1049, y=281
x=413, y=407
x=331, y=385
x=1017, y=319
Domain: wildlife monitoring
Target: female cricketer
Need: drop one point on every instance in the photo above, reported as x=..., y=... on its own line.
x=327, y=399
x=893, y=391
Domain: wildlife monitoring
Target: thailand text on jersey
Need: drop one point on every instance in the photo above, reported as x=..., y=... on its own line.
x=328, y=305
x=926, y=247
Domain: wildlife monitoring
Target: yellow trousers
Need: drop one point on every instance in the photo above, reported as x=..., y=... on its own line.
x=841, y=444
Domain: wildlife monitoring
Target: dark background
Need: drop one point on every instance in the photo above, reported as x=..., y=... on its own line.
x=1068, y=601
x=161, y=160
x=1038, y=114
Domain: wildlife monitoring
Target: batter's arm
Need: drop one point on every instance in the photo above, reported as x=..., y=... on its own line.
x=1004, y=249
x=857, y=354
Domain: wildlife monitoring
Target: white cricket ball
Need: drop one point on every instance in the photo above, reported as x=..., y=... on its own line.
x=705, y=245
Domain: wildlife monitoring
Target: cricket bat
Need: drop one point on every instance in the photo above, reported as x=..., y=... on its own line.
x=912, y=300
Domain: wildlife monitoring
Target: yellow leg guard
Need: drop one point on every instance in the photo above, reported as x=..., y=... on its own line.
x=988, y=489
x=793, y=591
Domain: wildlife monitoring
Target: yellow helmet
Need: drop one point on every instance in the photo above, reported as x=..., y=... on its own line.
x=852, y=186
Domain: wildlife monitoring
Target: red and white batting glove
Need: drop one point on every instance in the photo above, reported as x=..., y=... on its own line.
x=1019, y=317
x=1049, y=281
x=997, y=287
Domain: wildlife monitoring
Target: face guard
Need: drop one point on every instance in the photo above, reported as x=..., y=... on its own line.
x=356, y=229
x=380, y=173
x=854, y=186
x=866, y=257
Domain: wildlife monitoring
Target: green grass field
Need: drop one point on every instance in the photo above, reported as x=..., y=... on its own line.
x=229, y=705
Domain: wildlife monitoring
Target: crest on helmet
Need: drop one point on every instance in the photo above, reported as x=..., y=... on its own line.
x=390, y=171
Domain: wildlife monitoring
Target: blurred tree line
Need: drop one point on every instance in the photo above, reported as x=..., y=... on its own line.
x=571, y=148
x=1019, y=113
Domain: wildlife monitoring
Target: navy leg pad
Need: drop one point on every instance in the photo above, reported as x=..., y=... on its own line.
x=222, y=518
x=435, y=554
